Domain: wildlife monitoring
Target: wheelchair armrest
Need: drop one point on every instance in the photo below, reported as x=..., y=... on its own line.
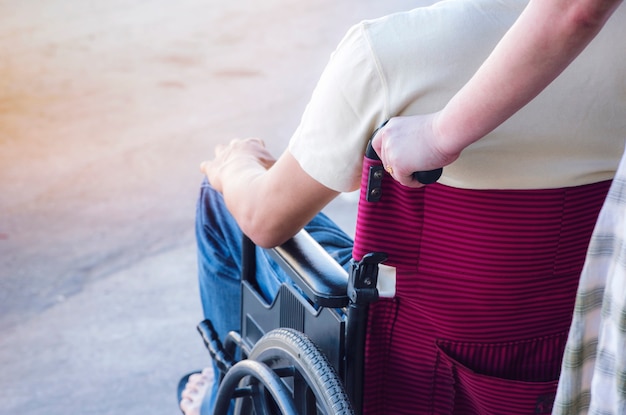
x=313, y=270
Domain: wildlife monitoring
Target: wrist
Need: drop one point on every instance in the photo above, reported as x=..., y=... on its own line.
x=446, y=146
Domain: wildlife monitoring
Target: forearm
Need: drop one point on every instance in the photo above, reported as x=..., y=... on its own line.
x=541, y=44
x=269, y=204
x=240, y=187
x=242, y=178
x=254, y=200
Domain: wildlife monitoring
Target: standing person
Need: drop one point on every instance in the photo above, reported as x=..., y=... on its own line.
x=546, y=38
x=413, y=63
x=593, y=376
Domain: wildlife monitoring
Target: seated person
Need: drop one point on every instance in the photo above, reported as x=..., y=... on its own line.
x=539, y=176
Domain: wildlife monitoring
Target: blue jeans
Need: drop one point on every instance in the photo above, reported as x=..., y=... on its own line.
x=219, y=261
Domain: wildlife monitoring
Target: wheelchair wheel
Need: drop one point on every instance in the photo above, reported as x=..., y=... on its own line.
x=304, y=370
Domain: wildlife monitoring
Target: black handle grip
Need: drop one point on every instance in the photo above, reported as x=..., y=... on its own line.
x=428, y=177
x=424, y=177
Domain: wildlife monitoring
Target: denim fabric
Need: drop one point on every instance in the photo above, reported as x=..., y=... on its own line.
x=219, y=261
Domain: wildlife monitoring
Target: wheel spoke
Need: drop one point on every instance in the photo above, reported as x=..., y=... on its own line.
x=284, y=371
x=303, y=396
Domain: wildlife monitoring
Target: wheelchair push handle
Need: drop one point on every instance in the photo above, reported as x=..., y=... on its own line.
x=428, y=177
x=424, y=177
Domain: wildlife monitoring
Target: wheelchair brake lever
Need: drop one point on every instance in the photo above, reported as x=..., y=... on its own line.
x=364, y=278
x=213, y=344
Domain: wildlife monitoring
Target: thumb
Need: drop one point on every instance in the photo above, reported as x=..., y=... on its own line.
x=377, y=139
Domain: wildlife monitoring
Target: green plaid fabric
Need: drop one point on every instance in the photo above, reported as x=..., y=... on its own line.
x=593, y=376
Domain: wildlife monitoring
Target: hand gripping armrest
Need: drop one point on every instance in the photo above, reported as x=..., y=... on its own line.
x=317, y=274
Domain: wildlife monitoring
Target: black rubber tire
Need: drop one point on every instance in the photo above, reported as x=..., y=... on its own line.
x=284, y=347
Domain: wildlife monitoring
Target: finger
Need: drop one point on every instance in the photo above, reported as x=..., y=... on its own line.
x=377, y=142
x=257, y=140
x=409, y=181
x=204, y=166
x=219, y=149
x=385, y=158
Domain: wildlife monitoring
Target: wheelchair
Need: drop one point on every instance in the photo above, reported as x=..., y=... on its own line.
x=301, y=353
x=304, y=352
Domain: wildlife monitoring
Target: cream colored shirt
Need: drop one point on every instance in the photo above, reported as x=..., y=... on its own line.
x=414, y=62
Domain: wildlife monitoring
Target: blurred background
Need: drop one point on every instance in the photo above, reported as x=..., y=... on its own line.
x=107, y=108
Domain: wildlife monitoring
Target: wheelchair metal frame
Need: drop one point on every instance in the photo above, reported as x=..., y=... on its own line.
x=327, y=305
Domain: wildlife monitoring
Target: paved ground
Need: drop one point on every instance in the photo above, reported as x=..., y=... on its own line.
x=106, y=109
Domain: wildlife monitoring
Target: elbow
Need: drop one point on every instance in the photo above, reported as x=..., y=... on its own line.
x=266, y=234
x=264, y=226
x=265, y=241
x=590, y=16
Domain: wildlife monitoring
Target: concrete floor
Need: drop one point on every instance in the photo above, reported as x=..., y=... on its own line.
x=106, y=109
